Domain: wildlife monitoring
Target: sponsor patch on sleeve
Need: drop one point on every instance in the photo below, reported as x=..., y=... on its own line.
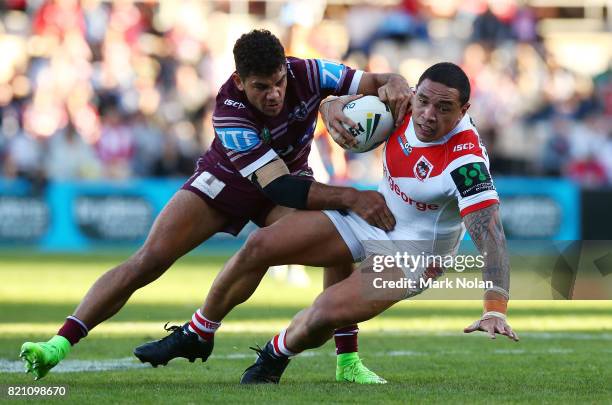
x=472, y=178
x=239, y=139
x=330, y=73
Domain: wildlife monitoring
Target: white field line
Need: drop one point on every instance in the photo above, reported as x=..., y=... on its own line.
x=77, y=366
x=74, y=366
x=548, y=324
x=530, y=335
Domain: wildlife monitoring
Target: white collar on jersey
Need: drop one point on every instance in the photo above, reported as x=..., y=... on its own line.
x=464, y=124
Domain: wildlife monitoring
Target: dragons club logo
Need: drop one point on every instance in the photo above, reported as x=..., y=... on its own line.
x=422, y=169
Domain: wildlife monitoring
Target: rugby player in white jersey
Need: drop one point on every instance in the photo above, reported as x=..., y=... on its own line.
x=436, y=182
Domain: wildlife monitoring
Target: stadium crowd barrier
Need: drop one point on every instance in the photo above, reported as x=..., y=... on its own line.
x=85, y=216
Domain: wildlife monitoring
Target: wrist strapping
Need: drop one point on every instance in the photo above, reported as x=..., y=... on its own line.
x=493, y=314
x=499, y=290
x=495, y=301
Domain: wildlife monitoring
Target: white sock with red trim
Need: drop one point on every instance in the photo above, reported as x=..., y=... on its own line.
x=279, y=345
x=205, y=328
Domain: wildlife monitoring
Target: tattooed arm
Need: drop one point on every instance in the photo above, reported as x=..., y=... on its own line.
x=486, y=230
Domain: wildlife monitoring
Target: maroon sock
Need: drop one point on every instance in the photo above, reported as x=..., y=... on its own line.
x=346, y=339
x=73, y=330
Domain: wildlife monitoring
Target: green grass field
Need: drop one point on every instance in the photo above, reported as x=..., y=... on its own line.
x=564, y=355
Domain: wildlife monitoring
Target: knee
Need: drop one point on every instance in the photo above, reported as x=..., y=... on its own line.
x=258, y=248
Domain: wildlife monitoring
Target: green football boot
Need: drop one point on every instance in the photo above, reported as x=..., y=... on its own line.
x=41, y=357
x=350, y=368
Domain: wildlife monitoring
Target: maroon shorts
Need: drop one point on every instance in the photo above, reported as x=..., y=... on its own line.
x=224, y=189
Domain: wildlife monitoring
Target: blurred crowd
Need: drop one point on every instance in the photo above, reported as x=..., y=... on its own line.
x=96, y=89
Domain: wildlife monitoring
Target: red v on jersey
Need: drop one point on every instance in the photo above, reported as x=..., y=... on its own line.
x=421, y=162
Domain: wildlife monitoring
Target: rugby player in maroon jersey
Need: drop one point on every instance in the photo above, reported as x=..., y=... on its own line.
x=256, y=170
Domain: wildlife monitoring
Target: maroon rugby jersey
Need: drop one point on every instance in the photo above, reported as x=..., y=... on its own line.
x=246, y=139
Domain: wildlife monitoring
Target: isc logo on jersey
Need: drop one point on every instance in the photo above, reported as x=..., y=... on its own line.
x=463, y=146
x=235, y=104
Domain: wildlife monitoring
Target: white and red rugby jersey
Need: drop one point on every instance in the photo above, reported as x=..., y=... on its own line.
x=430, y=186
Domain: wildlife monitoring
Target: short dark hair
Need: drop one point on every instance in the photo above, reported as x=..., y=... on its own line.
x=259, y=53
x=449, y=75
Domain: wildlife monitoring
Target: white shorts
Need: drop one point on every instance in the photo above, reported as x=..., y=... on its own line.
x=364, y=240
x=354, y=231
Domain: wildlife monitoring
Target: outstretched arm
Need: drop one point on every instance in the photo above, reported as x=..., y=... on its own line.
x=486, y=230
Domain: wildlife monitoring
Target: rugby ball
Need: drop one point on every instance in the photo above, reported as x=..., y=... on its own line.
x=374, y=123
